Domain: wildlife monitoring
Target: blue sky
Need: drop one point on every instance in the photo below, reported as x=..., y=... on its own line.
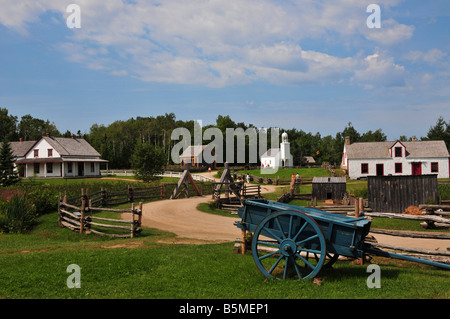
x=312, y=65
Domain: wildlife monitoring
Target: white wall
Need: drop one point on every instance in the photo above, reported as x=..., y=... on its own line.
x=87, y=169
x=354, y=169
x=57, y=170
x=29, y=170
x=270, y=161
x=43, y=148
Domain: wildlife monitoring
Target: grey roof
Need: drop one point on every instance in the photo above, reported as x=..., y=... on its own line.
x=20, y=149
x=71, y=146
x=195, y=150
x=414, y=149
x=309, y=159
x=329, y=180
x=271, y=152
x=64, y=146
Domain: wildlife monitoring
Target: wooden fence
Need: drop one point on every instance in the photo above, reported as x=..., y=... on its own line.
x=78, y=213
x=245, y=190
x=270, y=180
x=82, y=219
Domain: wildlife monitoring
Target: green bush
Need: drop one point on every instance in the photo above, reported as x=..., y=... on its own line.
x=444, y=191
x=17, y=215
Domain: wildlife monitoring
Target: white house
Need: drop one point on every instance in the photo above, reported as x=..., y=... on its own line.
x=56, y=157
x=278, y=157
x=396, y=158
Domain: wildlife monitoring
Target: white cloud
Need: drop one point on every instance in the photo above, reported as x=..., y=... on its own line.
x=218, y=42
x=380, y=70
x=431, y=57
x=391, y=32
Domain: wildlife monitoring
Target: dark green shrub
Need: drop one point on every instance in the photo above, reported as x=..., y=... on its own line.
x=17, y=215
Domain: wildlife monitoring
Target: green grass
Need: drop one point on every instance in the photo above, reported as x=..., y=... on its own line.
x=34, y=266
x=210, y=209
x=286, y=173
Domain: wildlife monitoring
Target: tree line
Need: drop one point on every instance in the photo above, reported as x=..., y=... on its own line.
x=124, y=141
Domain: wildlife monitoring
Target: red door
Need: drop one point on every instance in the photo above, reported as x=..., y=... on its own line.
x=416, y=168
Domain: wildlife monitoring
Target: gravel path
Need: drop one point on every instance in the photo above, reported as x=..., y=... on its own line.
x=181, y=217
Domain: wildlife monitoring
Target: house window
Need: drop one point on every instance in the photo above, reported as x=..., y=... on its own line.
x=364, y=168
x=69, y=167
x=36, y=153
x=50, y=153
x=92, y=167
x=49, y=168
x=434, y=167
x=36, y=168
x=398, y=152
x=398, y=168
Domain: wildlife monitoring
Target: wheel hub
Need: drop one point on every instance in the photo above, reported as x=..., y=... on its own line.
x=288, y=247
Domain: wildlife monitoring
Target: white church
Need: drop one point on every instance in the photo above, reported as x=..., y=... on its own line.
x=278, y=157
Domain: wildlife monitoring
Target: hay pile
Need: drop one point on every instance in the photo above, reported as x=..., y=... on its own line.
x=413, y=210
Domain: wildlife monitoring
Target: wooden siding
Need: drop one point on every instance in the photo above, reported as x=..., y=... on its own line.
x=333, y=189
x=396, y=193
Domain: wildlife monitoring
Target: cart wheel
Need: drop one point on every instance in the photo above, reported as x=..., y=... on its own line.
x=282, y=242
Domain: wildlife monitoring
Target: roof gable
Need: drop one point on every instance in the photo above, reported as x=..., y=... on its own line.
x=195, y=150
x=271, y=152
x=71, y=146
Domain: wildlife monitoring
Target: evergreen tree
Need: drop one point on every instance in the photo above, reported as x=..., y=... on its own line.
x=8, y=175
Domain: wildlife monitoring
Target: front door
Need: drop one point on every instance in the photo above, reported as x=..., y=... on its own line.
x=80, y=169
x=416, y=168
x=380, y=169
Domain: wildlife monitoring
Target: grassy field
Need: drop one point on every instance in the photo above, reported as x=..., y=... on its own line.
x=286, y=173
x=34, y=265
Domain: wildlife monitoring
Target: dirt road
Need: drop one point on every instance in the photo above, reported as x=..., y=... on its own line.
x=181, y=217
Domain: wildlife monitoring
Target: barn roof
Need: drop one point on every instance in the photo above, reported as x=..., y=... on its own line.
x=195, y=150
x=321, y=180
x=414, y=149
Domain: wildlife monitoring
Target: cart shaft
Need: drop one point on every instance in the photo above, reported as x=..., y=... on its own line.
x=382, y=253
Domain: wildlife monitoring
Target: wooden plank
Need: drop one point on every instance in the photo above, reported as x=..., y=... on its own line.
x=411, y=234
x=124, y=221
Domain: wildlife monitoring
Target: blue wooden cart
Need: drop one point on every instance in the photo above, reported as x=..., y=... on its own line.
x=293, y=241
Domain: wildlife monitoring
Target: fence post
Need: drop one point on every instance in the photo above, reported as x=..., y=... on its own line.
x=130, y=194
x=132, y=219
x=83, y=205
x=59, y=209
x=140, y=215
x=356, y=207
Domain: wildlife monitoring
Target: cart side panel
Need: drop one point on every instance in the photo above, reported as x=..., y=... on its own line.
x=345, y=240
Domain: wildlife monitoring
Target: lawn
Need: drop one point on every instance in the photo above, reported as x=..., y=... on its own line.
x=286, y=173
x=35, y=265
